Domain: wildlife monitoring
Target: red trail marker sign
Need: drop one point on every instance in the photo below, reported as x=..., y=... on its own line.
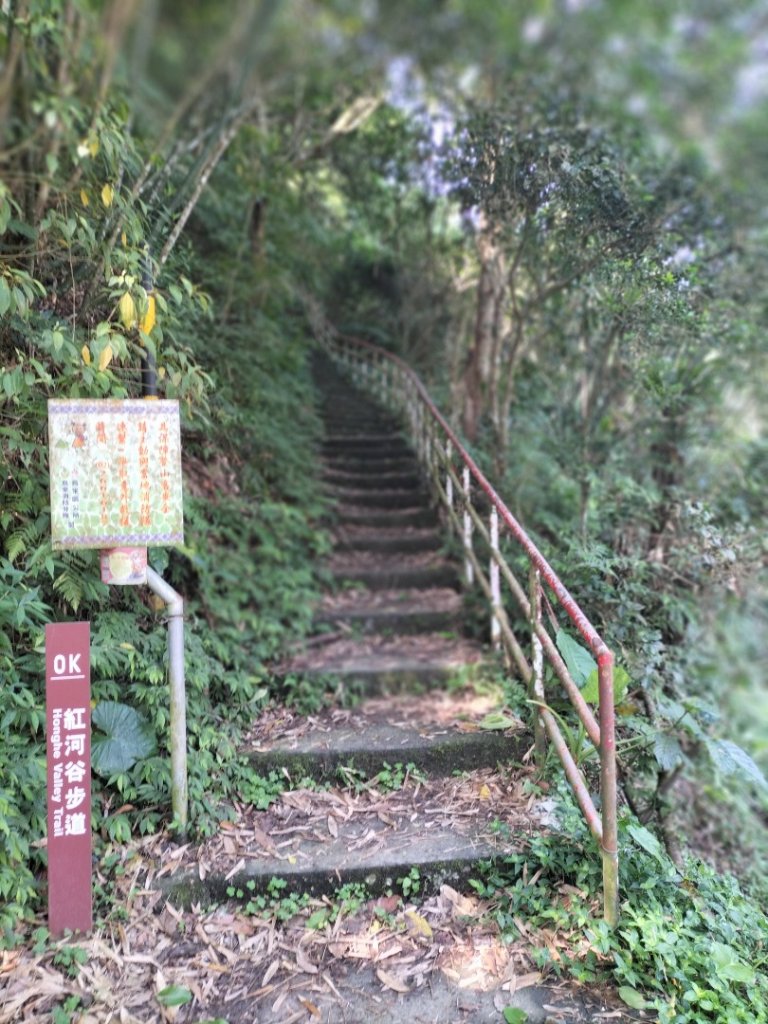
x=68, y=715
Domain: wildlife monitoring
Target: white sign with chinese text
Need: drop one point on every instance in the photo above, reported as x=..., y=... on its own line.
x=115, y=473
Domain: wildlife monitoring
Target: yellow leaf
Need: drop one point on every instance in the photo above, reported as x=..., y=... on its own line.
x=85, y=352
x=93, y=146
x=420, y=924
x=310, y=1007
x=84, y=197
x=124, y=238
x=127, y=309
x=107, y=195
x=149, y=318
x=485, y=793
x=161, y=372
x=106, y=357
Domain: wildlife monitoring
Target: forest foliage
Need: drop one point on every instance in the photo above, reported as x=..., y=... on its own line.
x=557, y=216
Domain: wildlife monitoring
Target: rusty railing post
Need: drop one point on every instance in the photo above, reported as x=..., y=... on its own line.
x=536, y=685
x=495, y=578
x=608, y=788
x=448, y=479
x=469, y=569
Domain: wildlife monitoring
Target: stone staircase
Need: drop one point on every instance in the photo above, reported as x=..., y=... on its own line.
x=399, y=786
x=390, y=651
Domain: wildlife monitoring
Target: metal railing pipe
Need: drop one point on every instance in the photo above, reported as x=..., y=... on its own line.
x=178, y=707
x=426, y=422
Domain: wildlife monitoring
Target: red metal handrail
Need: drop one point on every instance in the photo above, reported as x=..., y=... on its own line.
x=428, y=429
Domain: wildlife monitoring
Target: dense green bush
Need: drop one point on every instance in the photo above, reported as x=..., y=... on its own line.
x=690, y=946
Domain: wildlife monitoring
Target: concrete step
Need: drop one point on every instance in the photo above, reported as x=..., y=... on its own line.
x=316, y=841
x=393, y=611
x=404, y=545
x=411, y=497
x=437, y=738
x=363, y=620
x=394, y=578
x=372, y=440
x=364, y=481
x=406, y=517
x=360, y=422
x=360, y=466
x=355, y=448
x=375, y=665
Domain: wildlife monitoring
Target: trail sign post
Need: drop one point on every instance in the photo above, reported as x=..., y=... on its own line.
x=116, y=485
x=68, y=715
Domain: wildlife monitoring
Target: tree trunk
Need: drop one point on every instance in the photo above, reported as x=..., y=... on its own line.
x=480, y=363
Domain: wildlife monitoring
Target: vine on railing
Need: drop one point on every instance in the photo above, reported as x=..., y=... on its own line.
x=474, y=510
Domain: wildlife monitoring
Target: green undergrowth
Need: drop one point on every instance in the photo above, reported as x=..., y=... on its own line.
x=248, y=579
x=691, y=945
x=277, y=902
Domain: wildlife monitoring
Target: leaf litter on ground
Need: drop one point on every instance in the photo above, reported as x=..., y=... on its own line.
x=150, y=959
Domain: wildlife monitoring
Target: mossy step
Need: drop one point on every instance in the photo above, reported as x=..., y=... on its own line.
x=373, y=440
x=385, y=481
x=440, y=858
x=354, y=448
x=390, y=545
x=430, y=832
x=377, y=679
x=388, y=664
x=365, y=747
x=398, y=577
x=342, y=463
x=365, y=620
x=411, y=497
x=360, y=516
x=393, y=611
x=359, y=424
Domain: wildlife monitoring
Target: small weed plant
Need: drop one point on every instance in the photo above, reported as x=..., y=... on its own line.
x=275, y=903
x=410, y=884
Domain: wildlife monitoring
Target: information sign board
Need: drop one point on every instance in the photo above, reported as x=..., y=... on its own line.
x=115, y=473
x=68, y=718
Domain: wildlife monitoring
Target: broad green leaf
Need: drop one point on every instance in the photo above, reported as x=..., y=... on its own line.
x=174, y=995
x=738, y=972
x=632, y=997
x=578, y=660
x=591, y=689
x=728, y=965
x=514, y=1015
x=730, y=759
x=5, y=297
x=125, y=738
x=648, y=841
x=667, y=751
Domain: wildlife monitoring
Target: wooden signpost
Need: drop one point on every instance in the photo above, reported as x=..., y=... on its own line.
x=68, y=715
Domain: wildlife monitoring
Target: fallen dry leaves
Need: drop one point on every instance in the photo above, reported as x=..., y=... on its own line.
x=228, y=960
x=243, y=968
